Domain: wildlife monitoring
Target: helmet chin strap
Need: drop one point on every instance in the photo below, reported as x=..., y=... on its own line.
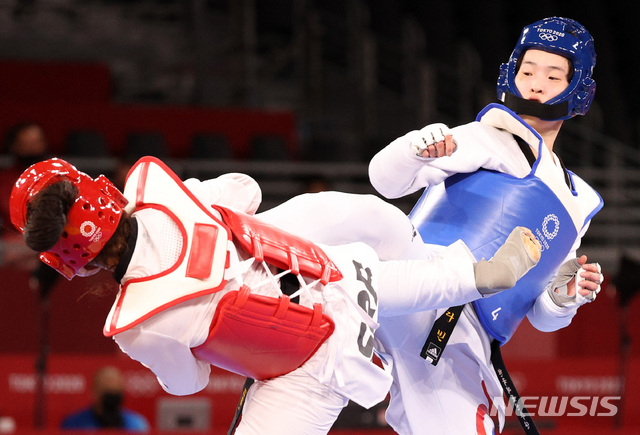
x=548, y=112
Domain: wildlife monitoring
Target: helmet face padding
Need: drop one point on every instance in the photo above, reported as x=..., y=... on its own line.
x=91, y=221
x=564, y=37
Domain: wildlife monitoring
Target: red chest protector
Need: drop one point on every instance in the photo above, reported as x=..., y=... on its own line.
x=263, y=337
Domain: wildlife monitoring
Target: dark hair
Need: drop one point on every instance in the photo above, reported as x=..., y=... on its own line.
x=47, y=215
x=117, y=244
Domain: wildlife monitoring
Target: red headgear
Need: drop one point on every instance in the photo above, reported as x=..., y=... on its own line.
x=91, y=222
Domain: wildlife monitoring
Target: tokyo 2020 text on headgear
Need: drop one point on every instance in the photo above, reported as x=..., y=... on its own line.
x=91, y=221
x=561, y=36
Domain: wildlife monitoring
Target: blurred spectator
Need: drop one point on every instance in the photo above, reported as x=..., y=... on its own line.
x=7, y=424
x=25, y=144
x=317, y=184
x=106, y=411
x=119, y=176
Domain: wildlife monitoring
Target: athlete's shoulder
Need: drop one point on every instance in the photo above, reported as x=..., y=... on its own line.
x=480, y=134
x=589, y=199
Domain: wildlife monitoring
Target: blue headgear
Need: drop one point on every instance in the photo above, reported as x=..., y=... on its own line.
x=561, y=36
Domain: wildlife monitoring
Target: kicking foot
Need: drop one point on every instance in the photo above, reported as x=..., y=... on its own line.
x=519, y=254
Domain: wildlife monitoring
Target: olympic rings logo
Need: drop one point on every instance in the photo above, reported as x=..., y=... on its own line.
x=548, y=37
x=552, y=218
x=90, y=230
x=87, y=228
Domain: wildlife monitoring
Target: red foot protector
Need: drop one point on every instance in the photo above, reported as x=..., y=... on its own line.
x=262, y=337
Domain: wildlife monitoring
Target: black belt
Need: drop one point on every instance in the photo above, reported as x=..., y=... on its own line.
x=509, y=389
x=243, y=397
x=439, y=335
x=434, y=347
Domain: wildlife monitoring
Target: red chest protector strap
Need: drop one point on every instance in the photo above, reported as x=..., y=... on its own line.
x=263, y=337
x=279, y=248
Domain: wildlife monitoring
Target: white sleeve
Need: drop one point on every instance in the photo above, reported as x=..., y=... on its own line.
x=546, y=316
x=395, y=171
x=163, y=343
x=177, y=370
x=236, y=191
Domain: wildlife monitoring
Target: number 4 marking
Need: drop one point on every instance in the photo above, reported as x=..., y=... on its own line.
x=494, y=313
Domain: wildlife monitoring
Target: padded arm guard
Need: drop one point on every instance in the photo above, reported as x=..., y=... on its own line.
x=279, y=248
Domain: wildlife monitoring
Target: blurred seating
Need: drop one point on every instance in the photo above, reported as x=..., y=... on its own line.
x=54, y=81
x=268, y=147
x=145, y=143
x=86, y=143
x=327, y=149
x=210, y=146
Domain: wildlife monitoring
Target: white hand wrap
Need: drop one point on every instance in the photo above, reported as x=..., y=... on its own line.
x=419, y=140
x=560, y=286
x=592, y=294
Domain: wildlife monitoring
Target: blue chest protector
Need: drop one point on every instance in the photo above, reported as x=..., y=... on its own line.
x=482, y=208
